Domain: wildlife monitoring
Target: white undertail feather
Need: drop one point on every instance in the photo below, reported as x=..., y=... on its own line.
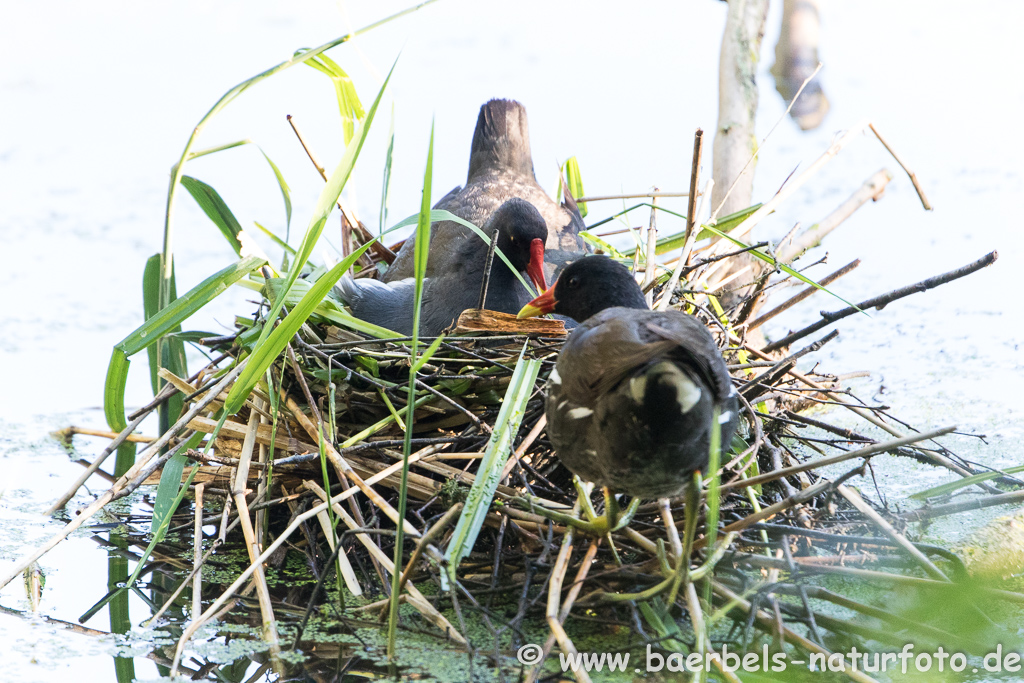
x=687, y=392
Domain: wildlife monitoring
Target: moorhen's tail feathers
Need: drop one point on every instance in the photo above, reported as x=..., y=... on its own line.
x=501, y=140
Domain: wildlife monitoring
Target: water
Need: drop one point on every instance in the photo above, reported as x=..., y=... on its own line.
x=96, y=105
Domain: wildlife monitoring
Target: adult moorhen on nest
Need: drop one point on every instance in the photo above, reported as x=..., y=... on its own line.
x=500, y=168
x=449, y=292
x=634, y=394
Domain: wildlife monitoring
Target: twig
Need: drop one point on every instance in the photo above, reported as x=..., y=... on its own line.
x=913, y=176
x=882, y=300
x=197, y=553
x=803, y=294
x=953, y=508
x=858, y=502
x=377, y=247
x=872, y=189
x=128, y=481
x=655, y=193
x=428, y=538
x=766, y=622
x=487, y=270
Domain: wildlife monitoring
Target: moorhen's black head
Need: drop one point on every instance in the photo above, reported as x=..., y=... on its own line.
x=521, y=236
x=586, y=288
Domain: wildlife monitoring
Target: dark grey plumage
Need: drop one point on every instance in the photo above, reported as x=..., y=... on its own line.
x=500, y=168
x=449, y=292
x=631, y=398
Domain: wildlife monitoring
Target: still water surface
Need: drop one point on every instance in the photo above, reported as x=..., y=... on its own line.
x=96, y=103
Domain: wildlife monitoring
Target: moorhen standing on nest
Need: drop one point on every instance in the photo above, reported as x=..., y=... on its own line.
x=449, y=292
x=633, y=397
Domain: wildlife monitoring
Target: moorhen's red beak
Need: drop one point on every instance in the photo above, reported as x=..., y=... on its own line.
x=535, y=268
x=545, y=303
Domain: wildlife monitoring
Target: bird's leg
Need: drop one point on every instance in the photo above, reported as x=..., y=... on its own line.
x=616, y=518
x=594, y=524
x=583, y=489
x=689, y=531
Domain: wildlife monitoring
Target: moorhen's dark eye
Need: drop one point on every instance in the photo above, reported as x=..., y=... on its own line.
x=574, y=282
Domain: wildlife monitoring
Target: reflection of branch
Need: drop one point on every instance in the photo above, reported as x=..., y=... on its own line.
x=753, y=156
x=881, y=301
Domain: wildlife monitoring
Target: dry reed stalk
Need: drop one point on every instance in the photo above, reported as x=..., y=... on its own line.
x=890, y=531
x=670, y=527
x=344, y=470
x=686, y=252
x=414, y=598
x=872, y=190
x=801, y=295
x=641, y=195
x=127, y=483
x=197, y=553
x=238, y=492
x=348, y=217
x=650, y=253
x=84, y=476
x=554, y=600
x=865, y=452
x=767, y=622
x=563, y=614
x=237, y=430
x=106, y=434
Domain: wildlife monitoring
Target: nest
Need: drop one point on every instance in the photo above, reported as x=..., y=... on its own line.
x=333, y=418
x=483, y=565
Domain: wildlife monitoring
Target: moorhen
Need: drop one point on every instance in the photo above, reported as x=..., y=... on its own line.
x=447, y=293
x=500, y=167
x=633, y=395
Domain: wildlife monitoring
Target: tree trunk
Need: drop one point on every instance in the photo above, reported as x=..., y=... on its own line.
x=735, y=139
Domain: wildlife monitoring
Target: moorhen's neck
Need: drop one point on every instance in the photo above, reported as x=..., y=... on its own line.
x=501, y=141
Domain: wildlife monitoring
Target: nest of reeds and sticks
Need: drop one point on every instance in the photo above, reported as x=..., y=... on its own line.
x=306, y=483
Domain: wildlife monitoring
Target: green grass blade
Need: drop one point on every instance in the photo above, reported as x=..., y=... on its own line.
x=599, y=243
x=165, y=321
x=385, y=193
x=216, y=209
x=428, y=354
x=946, y=489
x=150, y=305
x=286, y=192
x=265, y=352
x=498, y=448
x=166, y=255
x=183, y=307
x=170, y=481
x=442, y=215
x=571, y=168
x=157, y=537
x=168, y=353
x=324, y=205
x=419, y=271
x=275, y=239
x=676, y=240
